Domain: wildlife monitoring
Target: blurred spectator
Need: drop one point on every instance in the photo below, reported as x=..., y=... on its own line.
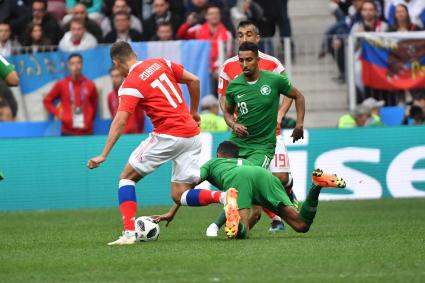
x=7, y=45
x=370, y=21
x=135, y=7
x=8, y=73
x=402, y=20
x=164, y=32
x=40, y=16
x=358, y=118
x=13, y=12
x=198, y=8
x=77, y=38
x=79, y=13
x=246, y=10
x=416, y=9
x=57, y=8
x=161, y=13
x=273, y=10
x=120, y=6
x=94, y=8
x=210, y=121
x=35, y=41
x=415, y=112
x=122, y=30
x=374, y=105
x=136, y=121
x=77, y=97
x=8, y=104
x=213, y=30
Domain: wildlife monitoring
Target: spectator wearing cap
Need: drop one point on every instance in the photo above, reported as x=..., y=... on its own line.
x=210, y=120
x=358, y=118
x=374, y=105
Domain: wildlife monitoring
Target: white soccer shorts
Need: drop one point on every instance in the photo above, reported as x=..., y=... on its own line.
x=159, y=148
x=280, y=162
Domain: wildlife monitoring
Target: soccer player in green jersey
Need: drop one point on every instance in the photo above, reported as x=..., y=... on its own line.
x=253, y=185
x=256, y=95
x=8, y=73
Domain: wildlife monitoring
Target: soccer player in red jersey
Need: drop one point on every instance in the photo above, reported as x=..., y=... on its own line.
x=153, y=85
x=247, y=31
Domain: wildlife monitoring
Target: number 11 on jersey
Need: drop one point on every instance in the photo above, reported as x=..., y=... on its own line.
x=158, y=83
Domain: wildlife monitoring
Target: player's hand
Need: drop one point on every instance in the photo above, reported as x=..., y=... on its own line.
x=95, y=162
x=163, y=217
x=297, y=133
x=240, y=130
x=197, y=118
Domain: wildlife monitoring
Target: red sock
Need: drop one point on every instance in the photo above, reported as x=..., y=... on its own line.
x=270, y=214
x=128, y=212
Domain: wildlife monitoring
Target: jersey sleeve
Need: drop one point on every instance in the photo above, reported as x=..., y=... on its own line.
x=284, y=84
x=129, y=95
x=279, y=68
x=223, y=81
x=205, y=170
x=177, y=69
x=5, y=68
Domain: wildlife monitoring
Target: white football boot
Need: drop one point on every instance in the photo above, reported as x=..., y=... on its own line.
x=127, y=238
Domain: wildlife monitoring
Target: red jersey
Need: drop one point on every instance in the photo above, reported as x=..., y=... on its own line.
x=136, y=121
x=232, y=68
x=79, y=93
x=153, y=85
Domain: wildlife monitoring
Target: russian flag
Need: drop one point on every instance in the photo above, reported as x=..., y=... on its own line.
x=393, y=63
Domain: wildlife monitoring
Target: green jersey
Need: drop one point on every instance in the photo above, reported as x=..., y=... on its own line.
x=255, y=185
x=5, y=68
x=221, y=171
x=257, y=106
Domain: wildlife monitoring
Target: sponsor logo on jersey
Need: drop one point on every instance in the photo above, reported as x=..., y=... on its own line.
x=265, y=90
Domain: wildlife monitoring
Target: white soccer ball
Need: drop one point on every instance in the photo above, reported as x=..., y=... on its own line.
x=146, y=229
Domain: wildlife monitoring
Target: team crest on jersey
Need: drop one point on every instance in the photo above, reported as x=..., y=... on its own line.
x=265, y=90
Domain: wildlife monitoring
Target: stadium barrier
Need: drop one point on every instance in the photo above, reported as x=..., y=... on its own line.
x=51, y=173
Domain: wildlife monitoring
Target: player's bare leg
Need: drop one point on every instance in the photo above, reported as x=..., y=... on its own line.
x=255, y=216
x=128, y=204
x=301, y=221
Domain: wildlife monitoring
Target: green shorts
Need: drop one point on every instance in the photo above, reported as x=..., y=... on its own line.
x=259, y=187
x=257, y=157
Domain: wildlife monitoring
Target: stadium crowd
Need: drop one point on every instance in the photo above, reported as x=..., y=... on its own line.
x=30, y=26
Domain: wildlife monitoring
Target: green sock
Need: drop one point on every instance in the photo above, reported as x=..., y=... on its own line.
x=241, y=231
x=1, y=175
x=309, y=207
x=221, y=219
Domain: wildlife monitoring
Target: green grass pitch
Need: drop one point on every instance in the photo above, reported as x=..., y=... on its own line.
x=350, y=241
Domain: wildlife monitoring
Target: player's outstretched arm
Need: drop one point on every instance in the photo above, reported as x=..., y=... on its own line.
x=12, y=79
x=298, y=132
x=169, y=216
x=117, y=127
x=194, y=87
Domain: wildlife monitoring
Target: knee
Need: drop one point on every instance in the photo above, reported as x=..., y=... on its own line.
x=176, y=196
x=302, y=228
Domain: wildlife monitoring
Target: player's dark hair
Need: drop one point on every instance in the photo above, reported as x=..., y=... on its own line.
x=228, y=149
x=72, y=55
x=212, y=5
x=113, y=68
x=121, y=51
x=249, y=46
x=122, y=13
x=246, y=23
x=41, y=1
